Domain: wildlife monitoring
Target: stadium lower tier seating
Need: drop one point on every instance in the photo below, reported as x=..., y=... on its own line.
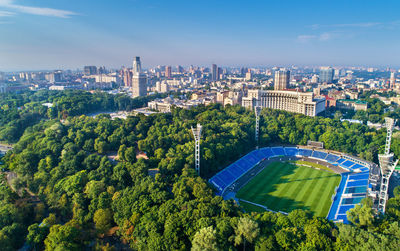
x=353, y=185
x=291, y=151
x=356, y=166
x=319, y=155
x=266, y=151
x=344, y=209
x=347, y=164
x=332, y=158
x=278, y=151
x=305, y=152
x=343, y=218
x=357, y=183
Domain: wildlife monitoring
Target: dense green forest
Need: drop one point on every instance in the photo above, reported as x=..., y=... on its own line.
x=70, y=194
x=22, y=110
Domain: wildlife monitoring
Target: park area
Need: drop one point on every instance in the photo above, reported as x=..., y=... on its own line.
x=285, y=186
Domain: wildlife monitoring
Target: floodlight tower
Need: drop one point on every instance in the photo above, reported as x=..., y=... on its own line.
x=387, y=166
x=197, y=134
x=257, y=110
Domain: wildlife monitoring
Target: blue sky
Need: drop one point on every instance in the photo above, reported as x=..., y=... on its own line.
x=68, y=34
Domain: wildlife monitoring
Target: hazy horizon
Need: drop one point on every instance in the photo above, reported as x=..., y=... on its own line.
x=45, y=34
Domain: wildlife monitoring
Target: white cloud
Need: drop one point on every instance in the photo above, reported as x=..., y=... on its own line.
x=320, y=37
x=325, y=36
x=359, y=25
x=6, y=13
x=356, y=25
x=5, y=2
x=306, y=38
x=9, y=4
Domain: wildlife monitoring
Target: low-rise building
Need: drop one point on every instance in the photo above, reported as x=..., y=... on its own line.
x=352, y=104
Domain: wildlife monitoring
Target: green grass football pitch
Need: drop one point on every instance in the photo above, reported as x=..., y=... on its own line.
x=282, y=186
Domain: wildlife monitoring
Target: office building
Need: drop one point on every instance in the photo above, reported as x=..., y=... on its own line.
x=326, y=74
x=168, y=71
x=214, y=72
x=90, y=70
x=179, y=69
x=139, y=79
x=282, y=78
x=291, y=101
x=220, y=73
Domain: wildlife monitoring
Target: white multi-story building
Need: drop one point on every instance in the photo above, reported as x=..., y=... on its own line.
x=291, y=101
x=105, y=78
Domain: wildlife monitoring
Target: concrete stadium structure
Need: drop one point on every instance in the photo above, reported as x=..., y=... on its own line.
x=355, y=174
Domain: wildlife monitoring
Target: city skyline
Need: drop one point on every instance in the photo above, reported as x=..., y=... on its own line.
x=69, y=34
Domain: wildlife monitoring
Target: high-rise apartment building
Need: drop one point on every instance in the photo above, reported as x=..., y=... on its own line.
x=168, y=71
x=248, y=75
x=139, y=79
x=53, y=77
x=392, y=80
x=126, y=75
x=326, y=74
x=282, y=78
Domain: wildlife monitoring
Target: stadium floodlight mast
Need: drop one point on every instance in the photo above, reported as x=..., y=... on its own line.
x=387, y=166
x=257, y=110
x=197, y=135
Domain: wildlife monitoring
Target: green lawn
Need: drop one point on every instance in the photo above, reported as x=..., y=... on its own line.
x=283, y=186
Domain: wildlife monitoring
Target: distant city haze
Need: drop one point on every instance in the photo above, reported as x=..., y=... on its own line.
x=69, y=34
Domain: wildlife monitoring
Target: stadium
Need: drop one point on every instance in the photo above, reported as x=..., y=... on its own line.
x=284, y=178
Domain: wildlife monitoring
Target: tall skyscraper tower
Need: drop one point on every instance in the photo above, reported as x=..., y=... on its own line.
x=282, y=78
x=326, y=74
x=137, y=66
x=139, y=79
x=214, y=72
